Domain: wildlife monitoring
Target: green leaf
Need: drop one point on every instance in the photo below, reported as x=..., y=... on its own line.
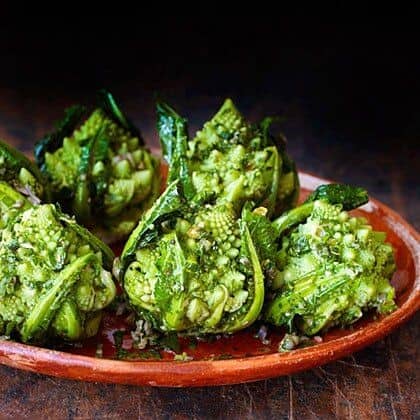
x=67, y=322
x=82, y=200
x=262, y=233
x=180, y=169
x=108, y=104
x=165, y=207
x=277, y=166
x=348, y=196
x=173, y=133
x=257, y=292
x=264, y=128
x=101, y=148
x=64, y=128
x=166, y=118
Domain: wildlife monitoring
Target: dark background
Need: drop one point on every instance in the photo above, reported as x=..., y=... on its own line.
x=350, y=92
x=351, y=97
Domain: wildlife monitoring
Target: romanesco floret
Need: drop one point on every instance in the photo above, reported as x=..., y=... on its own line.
x=334, y=267
x=53, y=281
x=102, y=173
x=199, y=274
x=229, y=160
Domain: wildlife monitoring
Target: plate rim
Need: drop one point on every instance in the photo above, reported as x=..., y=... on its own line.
x=231, y=371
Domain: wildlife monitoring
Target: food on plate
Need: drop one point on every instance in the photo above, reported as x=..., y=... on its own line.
x=11, y=204
x=55, y=275
x=192, y=268
x=17, y=171
x=205, y=257
x=229, y=160
x=22, y=174
x=224, y=246
x=207, y=268
x=332, y=267
x=99, y=168
x=191, y=265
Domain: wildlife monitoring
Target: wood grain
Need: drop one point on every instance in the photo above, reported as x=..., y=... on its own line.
x=381, y=381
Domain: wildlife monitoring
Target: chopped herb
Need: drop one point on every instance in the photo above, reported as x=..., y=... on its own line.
x=170, y=341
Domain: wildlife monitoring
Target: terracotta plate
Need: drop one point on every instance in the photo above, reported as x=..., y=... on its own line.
x=242, y=357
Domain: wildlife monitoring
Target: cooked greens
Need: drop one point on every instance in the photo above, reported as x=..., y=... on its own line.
x=204, y=257
x=55, y=276
x=229, y=160
x=11, y=204
x=333, y=267
x=99, y=169
x=22, y=174
x=192, y=269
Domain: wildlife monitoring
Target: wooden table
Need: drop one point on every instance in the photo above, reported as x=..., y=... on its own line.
x=382, y=381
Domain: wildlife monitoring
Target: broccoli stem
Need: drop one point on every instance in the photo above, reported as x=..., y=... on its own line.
x=314, y=298
x=348, y=196
x=258, y=293
x=292, y=218
x=67, y=322
x=49, y=302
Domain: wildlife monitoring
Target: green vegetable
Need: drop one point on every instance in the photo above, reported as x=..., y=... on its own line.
x=99, y=169
x=229, y=160
x=64, y=128
x=54, y=275
x=23, y=175
x=12, y=203
x=107, y=103
x=333, y=267
x=167, y=205
x=192, y=269
x=264, y=235
x=347, y=196
x=173, y=133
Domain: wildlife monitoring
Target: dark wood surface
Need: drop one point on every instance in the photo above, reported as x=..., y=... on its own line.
x=381, y=381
